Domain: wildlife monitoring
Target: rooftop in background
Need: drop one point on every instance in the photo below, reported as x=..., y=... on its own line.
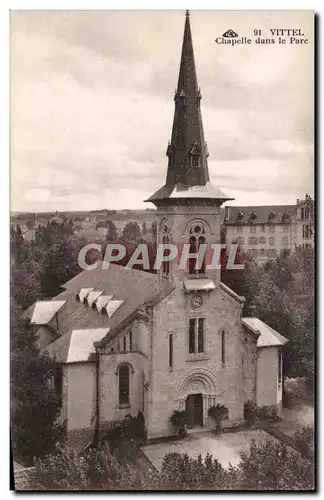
x=268, y=337
x=259, y=214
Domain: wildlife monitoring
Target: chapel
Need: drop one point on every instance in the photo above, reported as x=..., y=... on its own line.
x=129, y=340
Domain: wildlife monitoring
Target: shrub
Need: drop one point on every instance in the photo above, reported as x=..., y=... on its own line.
x=268, y=466
x=250, y=412
x=181, y=472
x=271, y=467
x=304, y=441
x=178, y=418
x=263, y=413
x=126, y=431
x=218, y=413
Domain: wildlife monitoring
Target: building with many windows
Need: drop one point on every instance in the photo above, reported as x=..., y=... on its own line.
x=265, y=231
x=130, y=341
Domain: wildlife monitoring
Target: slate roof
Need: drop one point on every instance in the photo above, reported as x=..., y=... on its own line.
x=262, y=214
x=135, y=288
x=187, y=137
x=178, y=191
x=268, y=336
x=43, y=311
x=76, y=346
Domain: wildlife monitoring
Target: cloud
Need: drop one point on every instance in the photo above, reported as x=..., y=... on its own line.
x=92, y=106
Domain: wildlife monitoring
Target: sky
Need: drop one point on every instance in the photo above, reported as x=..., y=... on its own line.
x=92, y=106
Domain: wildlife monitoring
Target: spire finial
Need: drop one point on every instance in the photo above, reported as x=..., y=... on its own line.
x=187, y=14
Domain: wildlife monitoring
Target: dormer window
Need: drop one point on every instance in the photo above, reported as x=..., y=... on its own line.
x=272, y=216
x=240, y=216
x=285, y=217
x=194, y=160
x=182, y=96
x=253, y=216
x=194, y=155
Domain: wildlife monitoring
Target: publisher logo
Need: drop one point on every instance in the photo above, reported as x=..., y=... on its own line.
x=229, y=34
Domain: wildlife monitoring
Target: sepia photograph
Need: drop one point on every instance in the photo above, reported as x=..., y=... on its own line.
x=162, y=250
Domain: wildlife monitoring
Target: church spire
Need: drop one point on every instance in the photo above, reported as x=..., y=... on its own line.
x=187, y=151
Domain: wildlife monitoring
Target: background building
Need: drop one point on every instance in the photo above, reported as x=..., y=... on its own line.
x=266, y=230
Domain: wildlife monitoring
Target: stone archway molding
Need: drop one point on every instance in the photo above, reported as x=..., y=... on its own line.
x=202, y=378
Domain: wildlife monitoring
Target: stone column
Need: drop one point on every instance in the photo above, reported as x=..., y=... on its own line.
x=182, y=404
x=205, y=409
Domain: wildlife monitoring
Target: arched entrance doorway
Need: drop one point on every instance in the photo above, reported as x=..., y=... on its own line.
x=195, y=410
x=198, y=389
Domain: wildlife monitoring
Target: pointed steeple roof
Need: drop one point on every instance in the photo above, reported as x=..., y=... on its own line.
x=187, y=151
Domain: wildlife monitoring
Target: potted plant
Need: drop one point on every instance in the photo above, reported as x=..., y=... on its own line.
x=218, y=413
x=250, y=412
x=179, y=421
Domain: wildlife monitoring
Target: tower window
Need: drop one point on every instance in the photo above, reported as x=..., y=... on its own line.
x=131, y=340
x=166, y=264
x=124, y=343
x=124, y=385
x=197, y=238
x=196, y=335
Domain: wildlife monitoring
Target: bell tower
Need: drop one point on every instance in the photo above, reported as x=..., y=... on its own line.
x=188, y=205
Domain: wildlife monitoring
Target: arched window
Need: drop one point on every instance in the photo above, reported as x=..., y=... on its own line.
x=223, y=346
x=165, y=241
x=197, y=237
x=166, y=264
x=123, y=379
x=170, y=351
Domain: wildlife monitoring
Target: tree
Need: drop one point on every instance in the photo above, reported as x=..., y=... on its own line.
x=132, y=232
x=154, y=228
x=35, y=406
x=59, y=256
x=16, y=244
x=112, y=231
x=281, y=293
x=31, y=221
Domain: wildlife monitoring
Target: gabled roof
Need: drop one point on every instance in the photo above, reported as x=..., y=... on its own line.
x=243, y=215
x=77, y=346
x=43, y=311
x=128, y=290
x=231, y=293
x=268, y=336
